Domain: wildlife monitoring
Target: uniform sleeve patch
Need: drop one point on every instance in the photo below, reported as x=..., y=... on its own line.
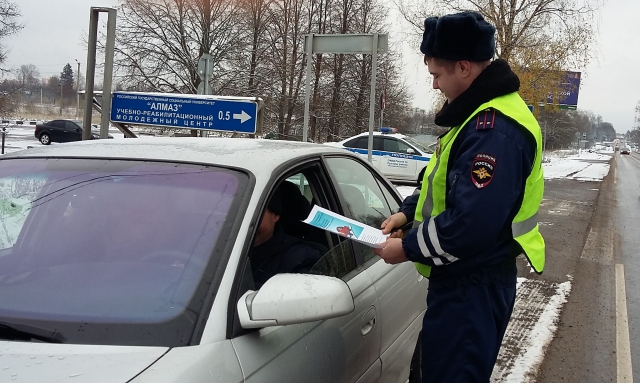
x=482, y=170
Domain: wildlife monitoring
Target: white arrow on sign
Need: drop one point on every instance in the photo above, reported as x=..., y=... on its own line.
x=242, y=117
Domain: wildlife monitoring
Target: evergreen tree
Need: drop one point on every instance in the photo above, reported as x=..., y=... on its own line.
x=67, y=81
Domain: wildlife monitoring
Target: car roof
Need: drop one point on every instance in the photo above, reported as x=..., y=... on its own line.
x=256, y=155
x=395, y=135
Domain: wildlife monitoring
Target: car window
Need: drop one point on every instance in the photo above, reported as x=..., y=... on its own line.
x=113, y=244
x=428, y=149
x=377, y=143
x=335, y=256
x=353, y=143
x=395, y=146
x=70, y=126
x=390, y=145
x=365, y=200
x=58, y=124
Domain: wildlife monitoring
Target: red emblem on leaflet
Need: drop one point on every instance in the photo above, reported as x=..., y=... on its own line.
x=345, y=230
x=483, y=170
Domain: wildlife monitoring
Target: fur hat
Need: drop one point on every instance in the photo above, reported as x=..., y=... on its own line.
x=458, y=36
x=275, y=203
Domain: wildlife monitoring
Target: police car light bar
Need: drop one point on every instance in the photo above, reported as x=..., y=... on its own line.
x=386, y=129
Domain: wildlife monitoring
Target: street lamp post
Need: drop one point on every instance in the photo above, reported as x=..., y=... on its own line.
x=61, y=87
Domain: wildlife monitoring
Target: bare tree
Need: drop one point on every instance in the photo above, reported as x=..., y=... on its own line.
x=28, y=76
x=257, y=47
x=9, y=14
x=539, y=38
x=159, y=43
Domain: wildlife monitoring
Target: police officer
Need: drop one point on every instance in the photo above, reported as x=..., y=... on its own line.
x=477, y=208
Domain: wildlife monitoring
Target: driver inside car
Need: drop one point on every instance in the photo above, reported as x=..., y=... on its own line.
x=274, y=251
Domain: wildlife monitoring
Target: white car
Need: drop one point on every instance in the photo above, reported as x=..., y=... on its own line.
x=397, y=156
x=126, y=261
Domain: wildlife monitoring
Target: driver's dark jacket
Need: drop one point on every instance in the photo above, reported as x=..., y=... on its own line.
x=282, y=253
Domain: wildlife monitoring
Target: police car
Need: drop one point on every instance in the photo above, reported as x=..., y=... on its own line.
x=397, y=156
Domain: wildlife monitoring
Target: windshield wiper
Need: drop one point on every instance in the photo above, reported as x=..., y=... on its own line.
x=25, y=332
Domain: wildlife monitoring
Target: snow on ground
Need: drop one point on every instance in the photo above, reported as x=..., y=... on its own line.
x=582, y=166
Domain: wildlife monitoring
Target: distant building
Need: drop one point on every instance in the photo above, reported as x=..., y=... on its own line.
x=416, y=111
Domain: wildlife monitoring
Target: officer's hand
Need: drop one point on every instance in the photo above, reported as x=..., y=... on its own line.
x=391, y=251
x=396, y=221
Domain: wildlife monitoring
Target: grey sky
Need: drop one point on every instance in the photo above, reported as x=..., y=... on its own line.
x=610, y=85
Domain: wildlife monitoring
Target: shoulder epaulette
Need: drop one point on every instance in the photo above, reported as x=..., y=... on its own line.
x=485, y=119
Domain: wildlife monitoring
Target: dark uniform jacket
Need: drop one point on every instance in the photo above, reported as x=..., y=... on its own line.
x=475, y=227
x=282, y=253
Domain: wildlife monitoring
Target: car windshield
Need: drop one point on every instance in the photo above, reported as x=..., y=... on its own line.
x=110, y=251
x=419, y=145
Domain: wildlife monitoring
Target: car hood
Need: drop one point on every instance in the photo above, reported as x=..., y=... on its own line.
x=35, y=362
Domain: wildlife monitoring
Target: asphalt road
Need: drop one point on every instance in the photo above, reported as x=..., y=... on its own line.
x=565, y=217
x=594, y=341
x=627, y=186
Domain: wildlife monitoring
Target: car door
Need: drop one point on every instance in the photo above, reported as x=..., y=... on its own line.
x=401, y=289
x=73, y=132
x=340, y=350
x=397, y=162
x=56, y=130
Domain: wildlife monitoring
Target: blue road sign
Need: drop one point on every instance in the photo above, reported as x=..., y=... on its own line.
x=184, y=111
x=568, y=91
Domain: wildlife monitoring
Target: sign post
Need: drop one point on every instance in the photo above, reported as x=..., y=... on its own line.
x=372, y=43
x=205, y=70
x=201, y=112
x=91, y=70
x=382, y=106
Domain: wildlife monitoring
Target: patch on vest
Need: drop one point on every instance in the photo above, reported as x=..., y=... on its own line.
x=482, y=170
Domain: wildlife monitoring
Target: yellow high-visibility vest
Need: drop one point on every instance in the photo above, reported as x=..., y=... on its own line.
x=525, y=224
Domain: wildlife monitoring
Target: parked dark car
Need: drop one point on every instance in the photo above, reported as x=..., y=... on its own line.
x=62, y=131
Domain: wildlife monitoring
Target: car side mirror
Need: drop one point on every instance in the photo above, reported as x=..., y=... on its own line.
x=78, y=130
x=295, y=298
x=411, y=151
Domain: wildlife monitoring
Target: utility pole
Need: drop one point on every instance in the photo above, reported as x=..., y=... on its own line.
x=78, y=91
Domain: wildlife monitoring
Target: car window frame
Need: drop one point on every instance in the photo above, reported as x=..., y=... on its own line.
x=380, y=181
x=317, y=174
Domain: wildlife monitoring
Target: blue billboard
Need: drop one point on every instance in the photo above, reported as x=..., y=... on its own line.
x=567, y=95
x=185, y=111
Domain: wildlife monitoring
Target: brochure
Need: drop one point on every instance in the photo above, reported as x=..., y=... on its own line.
x=338, y=224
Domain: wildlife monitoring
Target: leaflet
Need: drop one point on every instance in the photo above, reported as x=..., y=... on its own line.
x=338, y=224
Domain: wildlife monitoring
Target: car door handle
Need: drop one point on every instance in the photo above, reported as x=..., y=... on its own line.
x=368, y=327
x=369, y=319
